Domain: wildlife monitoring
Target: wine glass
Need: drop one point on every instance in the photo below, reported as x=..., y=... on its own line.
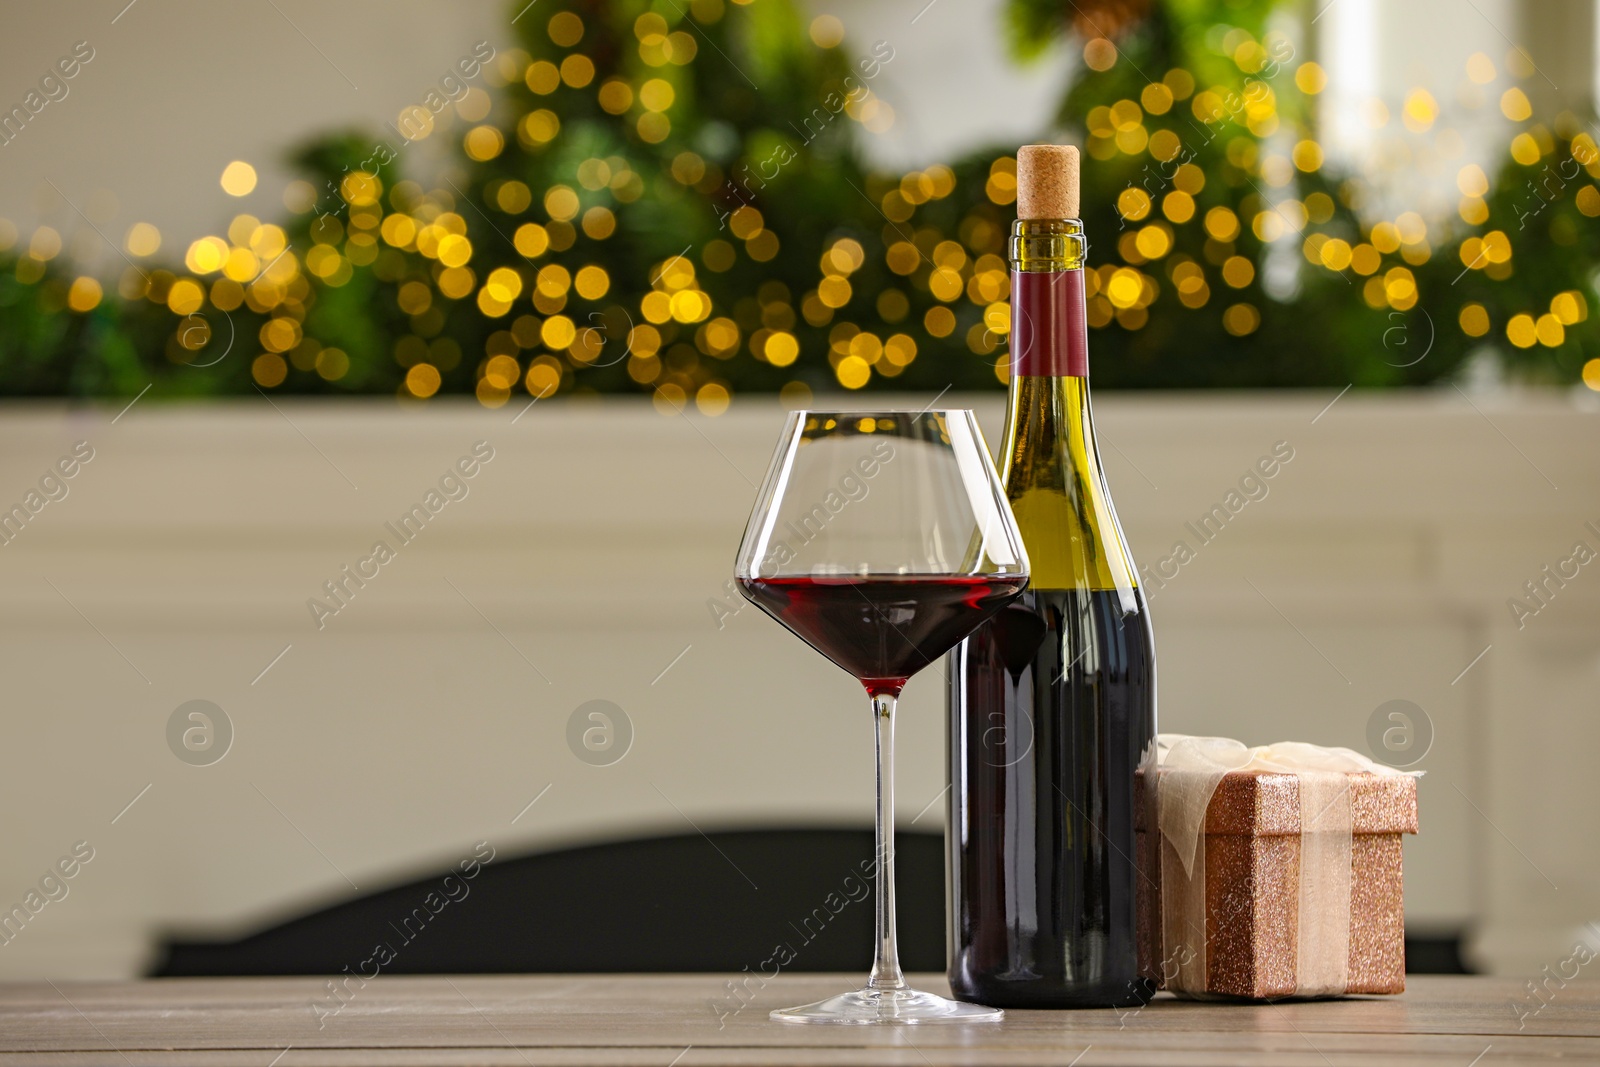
x=882, y=539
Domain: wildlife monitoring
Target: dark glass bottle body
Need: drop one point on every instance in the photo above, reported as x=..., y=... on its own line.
x=1052, y=703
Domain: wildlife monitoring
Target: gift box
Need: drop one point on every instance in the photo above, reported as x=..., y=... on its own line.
x=1272, y=871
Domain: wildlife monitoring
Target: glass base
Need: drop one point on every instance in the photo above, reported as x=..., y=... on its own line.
x=887, y=1006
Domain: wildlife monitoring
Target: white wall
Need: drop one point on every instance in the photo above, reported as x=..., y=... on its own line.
x=413, y=725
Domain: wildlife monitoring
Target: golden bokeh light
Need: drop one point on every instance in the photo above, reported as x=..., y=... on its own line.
x=853, y=372
x=269, y=370
x=1480, y=68
x=1549, y=330
x=454, y=250
x=543, y=77
x=543, y=378
x=1099, y=54
x=1420, y=110
x=1153, y=241
x=827, y=31
x=1515, y=106
x=657, y=94
x=483, y=143
x=1524, y=149
x=1521, y=331
x=332, y=364
x=561, y=203
x=456, y=282
x=902, y=257
x=835, y=290
x=616, y=96
x=1133, y=203
x=1472, y=181
x=1336, y=254
x=1307, y=156
x=1178, y=206
x=1156, y=98
x=712, y=399
x=504, y=284
x=84, y=295
x=280, y=334
x=565, y=28
x=558, y=332
x=538, y=127
x=206, y=255
x=512, y=197
x=45, y=244
x=185, y=297
x=1591, y=374
x=1238, y=271
x=502, y=372
x=143, y=239
x=1241, y=319
x=360, y=189
x=577, y=70
x=531, y=240
x=423, y=380
x=238, y=178
x=1310, y=78
x=599, y=222
x=1222, y=224
x=1570, y=307
x=781, y=348
x=669, y=398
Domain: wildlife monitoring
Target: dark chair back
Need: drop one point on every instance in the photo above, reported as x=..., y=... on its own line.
x=721, y=902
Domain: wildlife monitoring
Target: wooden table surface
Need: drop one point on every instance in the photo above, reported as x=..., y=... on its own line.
x=682, y=1020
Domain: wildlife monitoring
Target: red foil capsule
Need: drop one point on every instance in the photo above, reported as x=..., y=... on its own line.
x=1049, y=332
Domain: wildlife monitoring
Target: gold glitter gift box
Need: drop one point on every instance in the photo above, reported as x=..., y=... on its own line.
x=1295, y=868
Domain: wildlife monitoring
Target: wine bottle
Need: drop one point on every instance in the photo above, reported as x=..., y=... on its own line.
x=1052, y=704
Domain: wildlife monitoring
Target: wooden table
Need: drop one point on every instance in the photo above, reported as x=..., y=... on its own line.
x=682, y=1020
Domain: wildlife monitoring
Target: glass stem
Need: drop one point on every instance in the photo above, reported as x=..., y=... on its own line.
x=886, y=973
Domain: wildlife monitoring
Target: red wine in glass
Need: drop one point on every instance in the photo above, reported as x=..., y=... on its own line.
x=883, y=628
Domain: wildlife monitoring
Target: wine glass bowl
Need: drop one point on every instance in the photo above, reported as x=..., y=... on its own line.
x=882, y=539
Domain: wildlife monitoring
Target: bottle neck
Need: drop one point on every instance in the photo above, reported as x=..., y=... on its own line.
x=1051, y=466
x=1049, y=435
x=1049, y=329
x=1048, y=414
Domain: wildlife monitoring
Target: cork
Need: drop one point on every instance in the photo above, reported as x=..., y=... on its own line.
x=1047, y=181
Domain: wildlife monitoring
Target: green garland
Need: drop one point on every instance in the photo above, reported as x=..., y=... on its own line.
x=669, y=200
